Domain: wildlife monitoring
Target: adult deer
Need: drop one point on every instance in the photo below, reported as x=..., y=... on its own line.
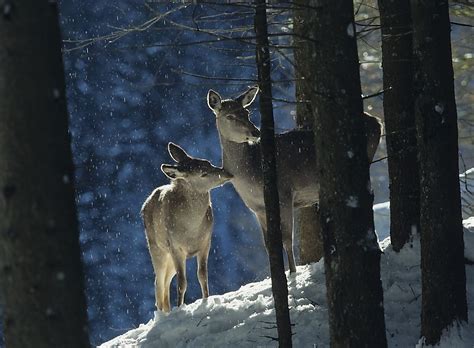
x=178, y=223
x=296, y=161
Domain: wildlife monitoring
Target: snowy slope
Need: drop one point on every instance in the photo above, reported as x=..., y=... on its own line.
x=246, y=318
x=382, y=210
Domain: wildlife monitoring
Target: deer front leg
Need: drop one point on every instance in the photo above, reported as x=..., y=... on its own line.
x=286, y=225
x=262, y=220
x=202, y=258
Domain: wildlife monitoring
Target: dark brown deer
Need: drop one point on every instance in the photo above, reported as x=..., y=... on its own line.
x=296, y=161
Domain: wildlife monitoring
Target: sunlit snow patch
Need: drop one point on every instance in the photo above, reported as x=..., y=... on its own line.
x=246, y=317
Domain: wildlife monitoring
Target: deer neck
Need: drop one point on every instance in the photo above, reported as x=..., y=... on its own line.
x=240, y=158
x=199, y=199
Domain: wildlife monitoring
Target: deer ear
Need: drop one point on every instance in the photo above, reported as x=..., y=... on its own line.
x=177, y=153
x=170, y=171
x=214, y=100
x=248, y=97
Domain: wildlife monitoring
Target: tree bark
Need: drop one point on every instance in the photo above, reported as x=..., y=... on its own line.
x=351, y=251
x=41, y=279
x=442, y=245
x=270, y=180
x=399, y=115
x=306, y=219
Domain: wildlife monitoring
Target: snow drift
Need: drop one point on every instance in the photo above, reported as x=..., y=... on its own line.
x=246, y=317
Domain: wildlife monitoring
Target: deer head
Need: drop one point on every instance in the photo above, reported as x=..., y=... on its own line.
x=199, y=173
x=232, y=116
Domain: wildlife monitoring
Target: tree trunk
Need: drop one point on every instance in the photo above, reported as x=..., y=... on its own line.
x=41, y=279
x=270, y=189
x=399, y=114
x=306, y=219
x=351, y=251
x=442, y=245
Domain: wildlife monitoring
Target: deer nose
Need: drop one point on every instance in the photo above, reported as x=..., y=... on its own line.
x=255, y=135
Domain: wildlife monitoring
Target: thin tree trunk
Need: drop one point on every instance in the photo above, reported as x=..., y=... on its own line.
x=442, y=245
x=306, y=219
x=399, y=114
x=41, y=280
x=270, y=189
x=351, y=251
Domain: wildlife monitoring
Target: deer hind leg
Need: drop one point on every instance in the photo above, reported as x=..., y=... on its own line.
x=286, y=216
x=159, y=292
x=169, y=274
x=179, y=260
x=202, y=273
x=158, y=258
x=159, y=264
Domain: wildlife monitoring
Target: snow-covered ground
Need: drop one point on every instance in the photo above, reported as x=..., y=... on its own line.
x=246, y=317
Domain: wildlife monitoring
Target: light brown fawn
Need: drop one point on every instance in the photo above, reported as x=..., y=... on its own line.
x=178, y=223
x=296, y=161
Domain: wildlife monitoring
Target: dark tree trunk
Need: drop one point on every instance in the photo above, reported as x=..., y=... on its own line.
x=41, y=279
x=351, y=251
x=399, y=113
x=306, y=219
x=304, y=48
x=270, y=189
x=442, y=245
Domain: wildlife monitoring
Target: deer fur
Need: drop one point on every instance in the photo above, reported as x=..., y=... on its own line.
x=178, y=223
x=296, y=161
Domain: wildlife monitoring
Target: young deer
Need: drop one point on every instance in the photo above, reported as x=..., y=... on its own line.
x=296, y=161
x=178, y=222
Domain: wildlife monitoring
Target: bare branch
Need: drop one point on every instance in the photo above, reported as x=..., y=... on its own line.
x=121, y=32
x=376, y=94
x=213, y=77
x=462, y=24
